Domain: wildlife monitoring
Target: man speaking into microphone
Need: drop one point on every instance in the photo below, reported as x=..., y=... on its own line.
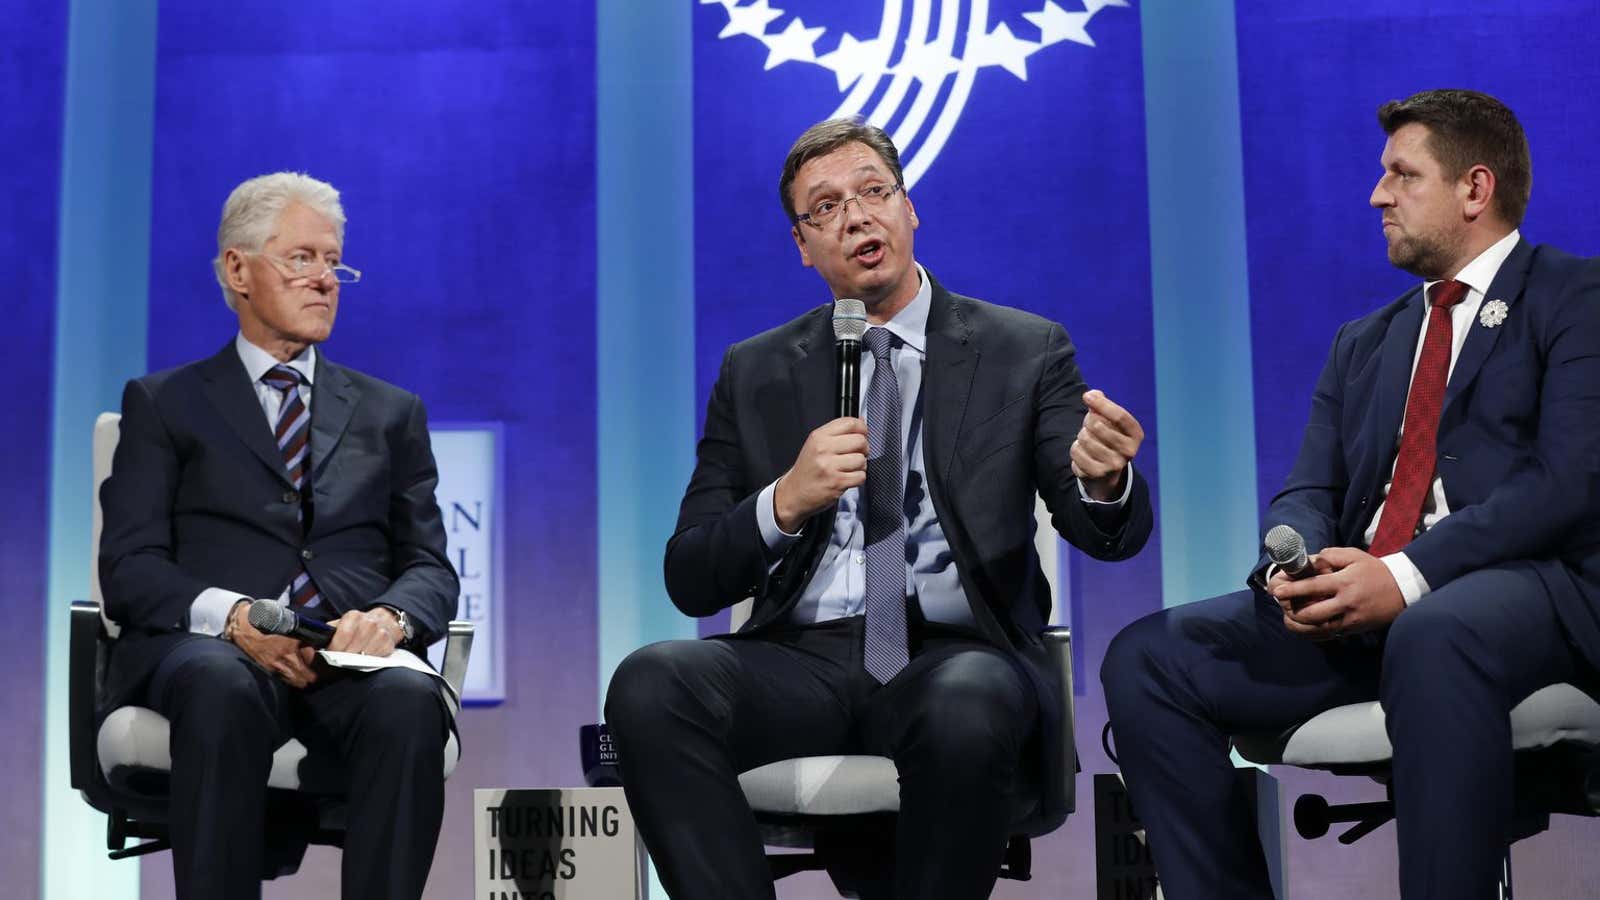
x=898, y=596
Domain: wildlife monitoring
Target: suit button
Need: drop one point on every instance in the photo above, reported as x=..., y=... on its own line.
x=291, y=497
x=306, y=554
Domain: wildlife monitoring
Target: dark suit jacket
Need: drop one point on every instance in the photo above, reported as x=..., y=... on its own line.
x=1002, y=403
x=1518, y=442
x=198, y=497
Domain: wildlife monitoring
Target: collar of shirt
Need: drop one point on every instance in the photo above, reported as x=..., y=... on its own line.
x=1479, y=274
x=910, y=325
x=258, y=361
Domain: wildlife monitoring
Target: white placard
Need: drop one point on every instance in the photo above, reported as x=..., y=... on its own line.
x=555, y=844
x=469, y=458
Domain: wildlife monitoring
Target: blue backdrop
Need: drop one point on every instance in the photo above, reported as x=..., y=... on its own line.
x=472, y=140
x=32, y=61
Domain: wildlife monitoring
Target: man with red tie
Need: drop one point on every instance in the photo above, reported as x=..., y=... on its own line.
x=1447, y=482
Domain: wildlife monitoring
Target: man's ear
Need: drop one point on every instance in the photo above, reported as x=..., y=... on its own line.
x=800, y=243
x=235, y=271
x=1477, y=188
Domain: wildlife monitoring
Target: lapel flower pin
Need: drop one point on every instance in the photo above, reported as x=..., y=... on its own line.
x=1493, y=313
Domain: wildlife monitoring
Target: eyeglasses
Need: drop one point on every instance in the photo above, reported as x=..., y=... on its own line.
x=306, y=265
x=873, y=196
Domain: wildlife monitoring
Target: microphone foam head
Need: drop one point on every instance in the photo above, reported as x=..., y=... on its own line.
x=849, y=320
x=1284, y=545
x=269, y=617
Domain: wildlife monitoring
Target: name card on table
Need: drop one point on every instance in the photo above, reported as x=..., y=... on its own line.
x=556, y=844
x=470, y=456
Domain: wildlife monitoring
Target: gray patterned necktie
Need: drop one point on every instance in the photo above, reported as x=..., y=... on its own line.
x=884, y=652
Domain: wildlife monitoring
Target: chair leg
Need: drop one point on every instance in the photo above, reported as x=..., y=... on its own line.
x=1505, y=875
x=144, y=849
x=1018, y=862
x=119, y=828
x=1313, y=814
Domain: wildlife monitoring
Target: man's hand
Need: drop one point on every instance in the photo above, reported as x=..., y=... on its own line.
x=832, y=461
x=1106, y=443
x=284, y=657
x=1355, y=593
x=375, y=632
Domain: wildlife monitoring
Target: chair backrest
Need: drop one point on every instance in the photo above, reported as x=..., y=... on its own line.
x=107, y=429
x=1044, y=540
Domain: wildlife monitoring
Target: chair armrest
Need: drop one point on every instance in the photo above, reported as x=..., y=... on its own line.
x=1058, y=644
x=83, y=688
x=457, y=651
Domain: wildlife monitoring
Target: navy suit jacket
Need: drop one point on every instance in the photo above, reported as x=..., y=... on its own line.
x=1002, y=403
x=198, y=497
x=1518, y=440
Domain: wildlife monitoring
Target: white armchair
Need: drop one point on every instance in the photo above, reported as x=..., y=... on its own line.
x=121, y=764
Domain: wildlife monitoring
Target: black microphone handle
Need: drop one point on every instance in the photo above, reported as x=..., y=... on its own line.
x=849, y=378
x=310, y=632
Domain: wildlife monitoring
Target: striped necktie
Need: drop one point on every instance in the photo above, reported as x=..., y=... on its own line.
x=293, y=434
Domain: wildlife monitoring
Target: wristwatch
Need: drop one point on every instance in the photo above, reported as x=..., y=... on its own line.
x=407, y=630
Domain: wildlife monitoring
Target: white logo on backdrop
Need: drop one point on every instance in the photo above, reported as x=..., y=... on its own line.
x=898, y=76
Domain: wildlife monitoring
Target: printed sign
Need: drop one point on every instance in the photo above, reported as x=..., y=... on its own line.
x=556, y=844
x=469, y=458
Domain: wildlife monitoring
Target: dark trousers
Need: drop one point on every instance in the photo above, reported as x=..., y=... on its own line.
x=228, y=715
x=1447, y=672
x=689, y=716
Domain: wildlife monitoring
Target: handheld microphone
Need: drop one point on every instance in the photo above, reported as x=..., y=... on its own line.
x=849, y=325
x=272, y=617
x=1287, y=550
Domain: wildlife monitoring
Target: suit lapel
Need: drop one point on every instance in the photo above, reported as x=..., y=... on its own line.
x=228, y=388
x=813, y=372
x=947, y=378
x=1394, y=373
x=333, y=401
x=1507, y=288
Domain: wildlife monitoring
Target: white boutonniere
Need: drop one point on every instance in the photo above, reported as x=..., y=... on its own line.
x=1493, y=313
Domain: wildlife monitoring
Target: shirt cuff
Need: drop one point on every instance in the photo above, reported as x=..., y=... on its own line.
x=1127, y=491
x=774, y=537
x=208, y=614
x=1407, y=575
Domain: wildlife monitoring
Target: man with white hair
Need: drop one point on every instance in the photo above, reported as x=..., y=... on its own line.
x=266, y=471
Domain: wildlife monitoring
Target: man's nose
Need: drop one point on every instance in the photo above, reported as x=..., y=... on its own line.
x=854, y=213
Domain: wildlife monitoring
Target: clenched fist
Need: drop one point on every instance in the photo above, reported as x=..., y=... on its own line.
x=832, y=461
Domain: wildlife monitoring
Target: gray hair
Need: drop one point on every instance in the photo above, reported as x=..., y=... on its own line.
x=253, y=209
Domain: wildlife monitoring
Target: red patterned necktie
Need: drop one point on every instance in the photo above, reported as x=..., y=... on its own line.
x=293, y=434
x=1414, y=463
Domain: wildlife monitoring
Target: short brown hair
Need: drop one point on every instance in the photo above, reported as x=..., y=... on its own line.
x=824, y=138
x=1465, y=129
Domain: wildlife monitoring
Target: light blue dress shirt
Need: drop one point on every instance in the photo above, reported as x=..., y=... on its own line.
x=838, y=588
